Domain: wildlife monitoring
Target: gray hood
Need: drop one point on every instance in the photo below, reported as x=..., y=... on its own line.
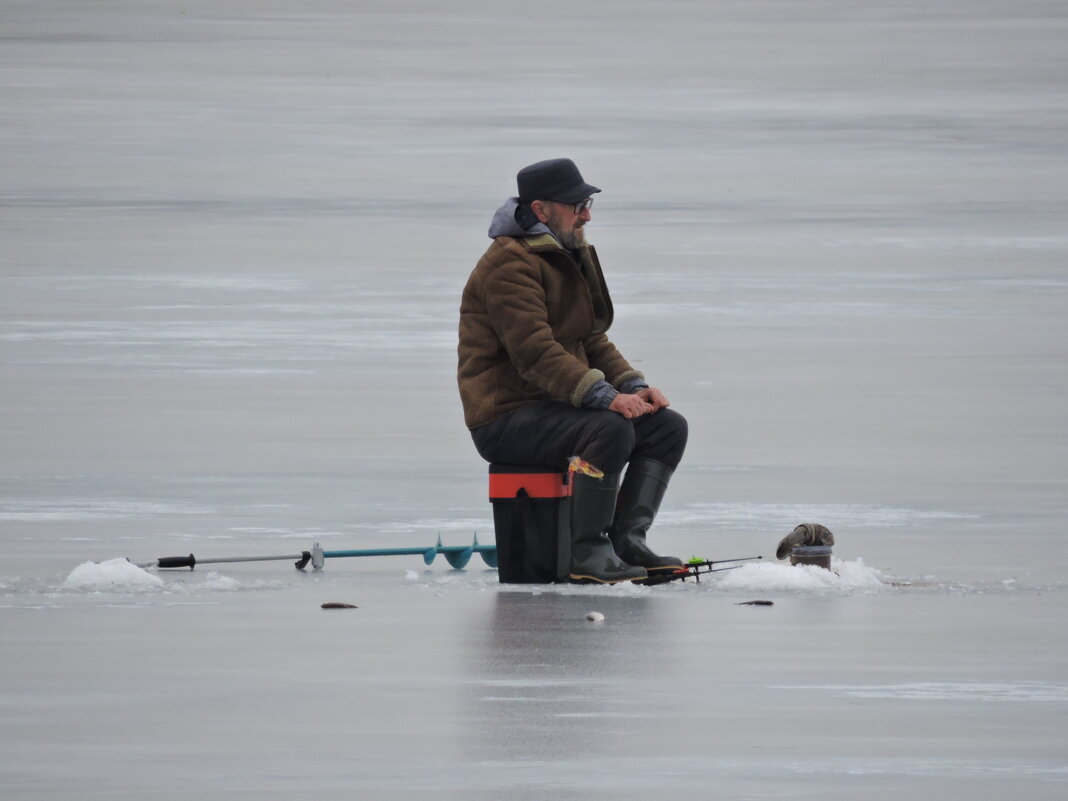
x=504, y=223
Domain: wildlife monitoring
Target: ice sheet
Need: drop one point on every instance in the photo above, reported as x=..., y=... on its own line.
x=234, y=238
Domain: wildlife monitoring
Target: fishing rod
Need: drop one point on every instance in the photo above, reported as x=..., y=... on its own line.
x=695, y=568
x=456, y=555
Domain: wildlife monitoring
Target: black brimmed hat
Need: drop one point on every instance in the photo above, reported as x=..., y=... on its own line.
x=554, y=179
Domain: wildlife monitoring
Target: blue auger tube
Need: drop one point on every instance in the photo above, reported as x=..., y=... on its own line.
x=456, y=555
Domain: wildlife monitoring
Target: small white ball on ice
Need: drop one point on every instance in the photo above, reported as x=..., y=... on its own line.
x=595, y=617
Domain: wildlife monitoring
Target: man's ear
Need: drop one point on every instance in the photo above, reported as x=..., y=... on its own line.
x=540, y=211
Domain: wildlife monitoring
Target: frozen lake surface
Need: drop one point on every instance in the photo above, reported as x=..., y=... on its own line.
x=234, y=239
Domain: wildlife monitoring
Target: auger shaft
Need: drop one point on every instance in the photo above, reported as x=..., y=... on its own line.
x=457, y=555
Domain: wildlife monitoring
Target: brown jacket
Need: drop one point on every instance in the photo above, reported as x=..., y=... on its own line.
x=532, y=327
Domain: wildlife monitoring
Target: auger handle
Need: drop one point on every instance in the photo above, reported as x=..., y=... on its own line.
x=177, y=561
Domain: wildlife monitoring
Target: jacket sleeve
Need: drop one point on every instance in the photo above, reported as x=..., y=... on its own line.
x=604, y=356
x=516, y=306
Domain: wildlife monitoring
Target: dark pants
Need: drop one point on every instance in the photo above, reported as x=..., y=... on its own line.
x=547, y=433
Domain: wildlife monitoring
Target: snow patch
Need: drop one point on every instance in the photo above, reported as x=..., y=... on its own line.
x=768, y=576
x=121, y=575
x=114, y=574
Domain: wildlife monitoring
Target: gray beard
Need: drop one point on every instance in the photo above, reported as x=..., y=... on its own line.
x=572, y=241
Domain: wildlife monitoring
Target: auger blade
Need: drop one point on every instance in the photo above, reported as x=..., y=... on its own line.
x=459, y=559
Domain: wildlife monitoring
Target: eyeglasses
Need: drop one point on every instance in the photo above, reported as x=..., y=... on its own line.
x=582, y=205
x=579, y=207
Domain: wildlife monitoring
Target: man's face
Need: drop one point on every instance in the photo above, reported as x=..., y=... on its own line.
x=564, y=223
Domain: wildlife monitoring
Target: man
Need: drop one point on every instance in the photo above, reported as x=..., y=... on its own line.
x=541, y=382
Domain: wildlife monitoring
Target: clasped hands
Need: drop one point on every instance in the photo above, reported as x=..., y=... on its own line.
x=644, y=401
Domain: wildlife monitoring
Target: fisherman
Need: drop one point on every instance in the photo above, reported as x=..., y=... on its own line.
x=541, y=382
